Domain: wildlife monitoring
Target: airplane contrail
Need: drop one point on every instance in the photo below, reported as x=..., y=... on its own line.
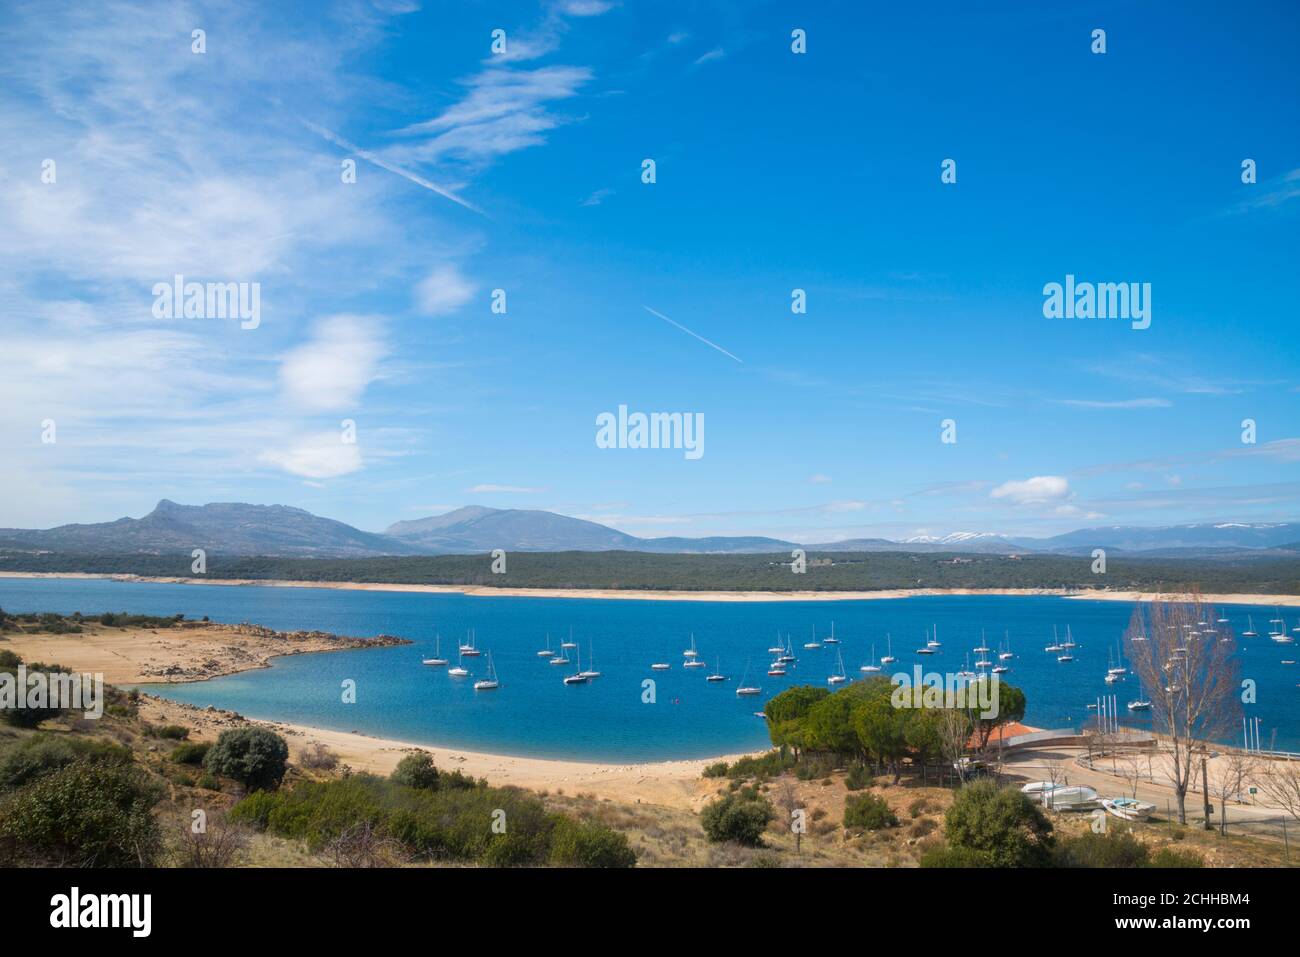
x=370, y=157
x=696, y=335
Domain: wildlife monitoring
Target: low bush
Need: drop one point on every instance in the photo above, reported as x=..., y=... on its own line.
x=866, y=812
x=255, y=757
x=738, y=817
x=29, y=758
x=191, y=752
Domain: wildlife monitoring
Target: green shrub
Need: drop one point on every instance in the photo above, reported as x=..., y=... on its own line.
x=87, y=814
x=859, y=777
x=867, y=812
x=416, y=771
x=174, y=732
x=760, y=768
x=716, y=770
x=29, y=758
x=209, y=782
x=737, y=817
x=1173, y=857
x=1001, y=823
x=1113, y=849
x=256, y=809
x=191, y=752
x=254, y=757
x=587, y=844
x=947, y=856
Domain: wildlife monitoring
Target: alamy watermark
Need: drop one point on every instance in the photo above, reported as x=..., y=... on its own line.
x=213, y=300
x=933, y=690
x=52, y=690
x=1103, y=300
x=654, y=430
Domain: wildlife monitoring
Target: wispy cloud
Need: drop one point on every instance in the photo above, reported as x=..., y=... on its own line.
x=505, y=489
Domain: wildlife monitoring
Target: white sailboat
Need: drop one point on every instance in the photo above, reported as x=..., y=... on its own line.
x=468, y=649
x=561, y=658
x=591, y=671
x=1069, y=639
x=745, y=687
x=889, y=658
x=872, y=667
x=932, y=640
x=1055, y=646
x=814, y=644
x=1005, y=654
x=489, y=683
x=832, y=640
x=717, y=674
x=778, y=648
x=839, y=677
x=776, y=669
x=580, y=678
x=691, y=652
x=1250, y=631
x=788, y=656
x=570, y=643
x=660, y=666
x=459, y=671
x=546, y=652
x=983, y=647
x=437, y=660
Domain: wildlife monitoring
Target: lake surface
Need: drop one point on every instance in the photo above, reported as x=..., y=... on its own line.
x=535, y=714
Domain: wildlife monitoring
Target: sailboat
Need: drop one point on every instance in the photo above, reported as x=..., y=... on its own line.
x=459, y=671
x=717, y=674
x=933, y=641
x=1250, y=631
x=839, y=677
x=546, y=652
x=1005, y=654
x=966, y=672
x=561, y=658
x=873, y=666
x=814, y=644
x=983, y=645
x=832, y=640
x=927, y=648
x=1117, y=667
x=776, y=669
x=660, y=666
x=692, y=657
x=1069, y=639
x=889, y=658
x=1055, y=646
x=788, y=656
x=489, y=683
x=581, y=678
x=691, y=652
x=437, y=660
x=1066, y=646
x=468, y=649
x=591, y=671
x=746, y=688
x=778, y=648
x=570, y=643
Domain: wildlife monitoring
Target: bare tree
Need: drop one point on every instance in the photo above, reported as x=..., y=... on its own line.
x=1186, y=666
x=1129, y=766
x=1229, y=777
x=1280, y=782
x=954, y=736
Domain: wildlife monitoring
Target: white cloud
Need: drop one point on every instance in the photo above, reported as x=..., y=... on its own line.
x=505, y=110
x=332, y=369
x=1039, y=490
x=515, y=489
x=321, y=455
x=584, y=8
x=443, y=291
x=717, y=53
x=819, y=479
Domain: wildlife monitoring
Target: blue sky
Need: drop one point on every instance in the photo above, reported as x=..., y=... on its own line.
x=775, y=171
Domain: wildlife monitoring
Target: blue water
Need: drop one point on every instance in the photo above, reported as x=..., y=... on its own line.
x=535, y=714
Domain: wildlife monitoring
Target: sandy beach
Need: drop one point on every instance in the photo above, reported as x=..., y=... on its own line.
x=666, y=595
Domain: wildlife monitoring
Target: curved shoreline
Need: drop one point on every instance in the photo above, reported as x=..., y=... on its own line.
x=481, y=591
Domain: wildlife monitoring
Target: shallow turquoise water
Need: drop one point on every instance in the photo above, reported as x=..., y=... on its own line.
x=534, y=713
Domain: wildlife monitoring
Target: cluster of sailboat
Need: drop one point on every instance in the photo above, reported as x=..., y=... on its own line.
x=468, y=649
x=691, y=659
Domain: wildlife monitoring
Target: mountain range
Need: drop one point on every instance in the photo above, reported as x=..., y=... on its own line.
x=239, y=529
